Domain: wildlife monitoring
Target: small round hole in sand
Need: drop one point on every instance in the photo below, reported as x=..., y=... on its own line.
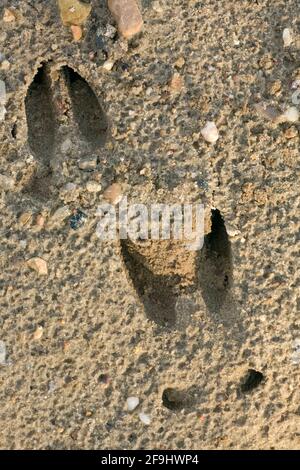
x=251, y=380
x=174, y=399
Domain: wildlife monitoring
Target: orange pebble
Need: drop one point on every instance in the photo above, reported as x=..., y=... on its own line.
x=77, y=32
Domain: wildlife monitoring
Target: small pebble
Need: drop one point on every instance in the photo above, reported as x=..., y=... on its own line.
x=40, y=220
x=70, y=187
x=210, y=132
x=78, y=219
x=110, y=31
x=127, y=15
x=132, y=403
x=25, y=218
x=108, y=65
x=23, y=244
x=2, y=353
x=291, y=114
x=5, y=65
x=2, y=93
x=287, y=36
x=74, y=12
x=38, y=333
x=9, y=16
x=145, y=418
x=88, y=164
x=39, y=265
x=291, y=133
x=236, y=42
x=93, y=187
x=296, y=352
x=113, y=193
x=2, y=100
x=77, y=32
x=2, y=113
x=295, y=84
x=232, y=231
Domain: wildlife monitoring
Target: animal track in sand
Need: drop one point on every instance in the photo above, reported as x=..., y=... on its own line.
x=59, y=103
x=215, y=264
x=161, y=271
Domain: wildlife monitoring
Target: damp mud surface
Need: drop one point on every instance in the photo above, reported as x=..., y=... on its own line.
x=207, y=339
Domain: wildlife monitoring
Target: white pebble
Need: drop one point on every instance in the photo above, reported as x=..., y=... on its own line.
x=23, y=244
x=38, y=333
x=145, y=418
x=210, y=132
x=70, y=187
x=93, y=187
x=2, y=113
x=295, y=84
x=291, y=114
x=110, y=31
x=108, y=65
x=232, y=231
x=2, y=100
x=296, y=352
x=132, y=403
x=2, y=353
x=2, y=93
x=287, y=36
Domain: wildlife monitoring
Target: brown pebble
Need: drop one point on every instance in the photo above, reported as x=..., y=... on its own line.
x=77, y=32
x=25, y=218
x=38, y=333
x=74, y=12
x=9, y=16
x=40, y=220
x=291, y=132
x=127, y=15
x=113, y=193
x=88, y=163
x=39, y=265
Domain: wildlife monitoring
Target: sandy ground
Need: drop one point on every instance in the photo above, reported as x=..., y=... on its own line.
x=111, y=320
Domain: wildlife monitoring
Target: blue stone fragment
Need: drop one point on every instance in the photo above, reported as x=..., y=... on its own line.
x=78, y=219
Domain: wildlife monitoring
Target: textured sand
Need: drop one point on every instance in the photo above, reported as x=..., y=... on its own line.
x=82, y=339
